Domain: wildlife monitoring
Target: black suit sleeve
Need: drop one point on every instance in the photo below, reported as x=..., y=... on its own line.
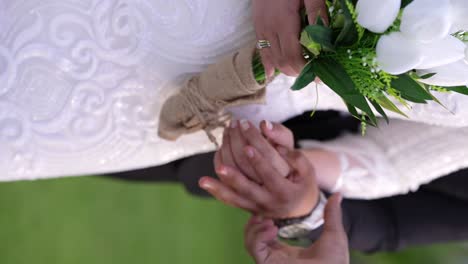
x=395, y=223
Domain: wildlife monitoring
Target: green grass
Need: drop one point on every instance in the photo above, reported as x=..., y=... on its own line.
x=96, y=220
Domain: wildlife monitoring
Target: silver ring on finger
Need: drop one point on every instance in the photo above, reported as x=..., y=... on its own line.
x=263, y=44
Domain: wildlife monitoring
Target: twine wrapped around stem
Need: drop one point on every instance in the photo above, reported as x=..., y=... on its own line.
x=201, y=103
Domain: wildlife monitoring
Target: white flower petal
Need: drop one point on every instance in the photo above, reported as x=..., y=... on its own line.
x=454, y=74
x=466, y=54
x=377, y=15
x=459, y=15
x=441, y=52
x=396, y=54
x=427, y=20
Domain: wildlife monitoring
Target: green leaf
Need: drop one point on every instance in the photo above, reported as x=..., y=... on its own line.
x=414, y=100
x=348, y=34
x=389, y=105
x=458, y=89
x=352, y=110
x=427, y=76
x=305, y=78
x=316, y=38
x=379, y=109
x=404, y=3
x=409, y=88
x=335, y=76
x=319, y=21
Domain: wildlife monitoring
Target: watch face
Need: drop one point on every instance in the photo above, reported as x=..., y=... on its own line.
x=294, y=231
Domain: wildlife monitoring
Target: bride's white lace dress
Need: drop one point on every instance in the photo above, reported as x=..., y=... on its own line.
x=82, y=82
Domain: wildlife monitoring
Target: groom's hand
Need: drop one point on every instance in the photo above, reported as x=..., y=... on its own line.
x=331, y=248
x=279, y=197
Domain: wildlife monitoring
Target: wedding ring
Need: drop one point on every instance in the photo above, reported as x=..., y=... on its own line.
x=262, y=44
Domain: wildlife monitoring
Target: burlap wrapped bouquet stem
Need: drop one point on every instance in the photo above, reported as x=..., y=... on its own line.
x=201, y=103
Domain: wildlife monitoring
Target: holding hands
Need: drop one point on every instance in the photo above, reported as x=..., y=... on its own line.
x=283, y=184
x=284, y=188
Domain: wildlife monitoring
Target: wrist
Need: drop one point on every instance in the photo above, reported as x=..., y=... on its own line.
x=299, y=227
x=304, y=207
x=326, y=165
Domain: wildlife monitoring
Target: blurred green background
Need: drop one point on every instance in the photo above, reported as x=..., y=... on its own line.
x=97, y=220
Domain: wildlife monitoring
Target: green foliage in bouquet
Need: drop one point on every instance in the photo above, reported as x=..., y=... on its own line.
x=343, y=56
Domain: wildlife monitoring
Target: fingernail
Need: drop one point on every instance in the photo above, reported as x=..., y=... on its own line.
x=206, y=185
x=233, y=123
x=244, y=124
x=222, y=171
x=250, y=153
x=268, y=125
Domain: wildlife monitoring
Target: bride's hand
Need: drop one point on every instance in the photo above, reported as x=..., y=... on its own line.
x=279, y=22
x=231, y=152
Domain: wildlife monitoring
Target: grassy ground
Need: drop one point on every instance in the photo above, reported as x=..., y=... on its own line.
x=94, y=220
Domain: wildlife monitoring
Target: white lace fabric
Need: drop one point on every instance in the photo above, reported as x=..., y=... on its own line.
x=396, y=158
x=83, y=81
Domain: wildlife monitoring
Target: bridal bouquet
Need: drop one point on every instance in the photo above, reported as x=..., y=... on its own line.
x=370, y=51
x=375, y=49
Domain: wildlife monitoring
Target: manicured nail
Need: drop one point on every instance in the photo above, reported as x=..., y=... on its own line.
x=244, y=124
x=233, y=123
x=222, y=171
x=206, y=185
x=250, y=153
x=268, y=125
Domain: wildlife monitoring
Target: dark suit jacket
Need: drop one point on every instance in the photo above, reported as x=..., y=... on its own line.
x=433, y=214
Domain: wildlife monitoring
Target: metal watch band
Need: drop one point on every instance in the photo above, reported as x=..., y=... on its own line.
x=299, y=227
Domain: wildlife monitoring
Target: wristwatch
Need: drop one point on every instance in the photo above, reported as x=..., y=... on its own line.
x=300, y=226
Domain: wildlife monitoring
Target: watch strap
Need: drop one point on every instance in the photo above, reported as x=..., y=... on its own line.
x=300, y=226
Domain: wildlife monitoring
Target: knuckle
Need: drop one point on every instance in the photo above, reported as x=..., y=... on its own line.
x=282, y=197
x=295, y=155
x=241, y=162
x=266, y=56
x=266, y=208
x=245, y=192
x=301, y=158
x=225, y=197
x=256, y=161
x=282, y=62
x=265, y=204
